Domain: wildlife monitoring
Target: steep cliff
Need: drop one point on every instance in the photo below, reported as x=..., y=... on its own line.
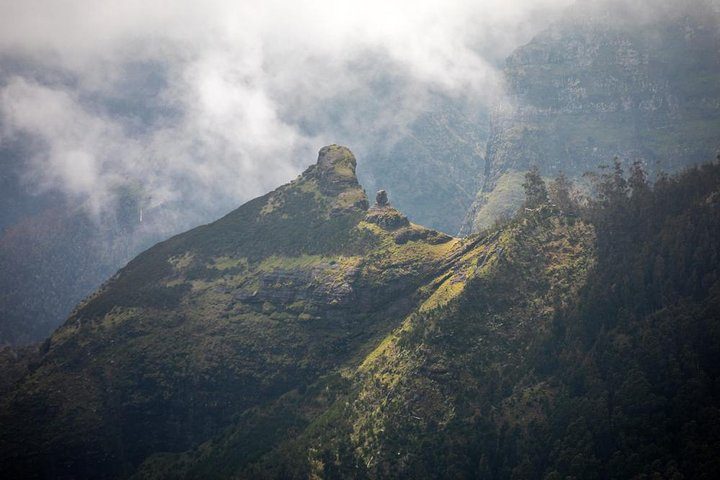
x=637, y=80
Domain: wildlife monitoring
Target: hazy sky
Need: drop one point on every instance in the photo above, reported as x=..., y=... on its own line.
x=219, y=101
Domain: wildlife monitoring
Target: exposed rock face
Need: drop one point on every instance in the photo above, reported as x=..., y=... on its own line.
x=322, y=284
x=334, y=170
x=609, y=79
x=385, y=216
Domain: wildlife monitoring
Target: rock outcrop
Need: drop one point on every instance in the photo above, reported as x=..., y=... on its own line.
x=381, y=199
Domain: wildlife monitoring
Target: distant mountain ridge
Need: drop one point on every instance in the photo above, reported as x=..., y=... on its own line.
x=637, y=80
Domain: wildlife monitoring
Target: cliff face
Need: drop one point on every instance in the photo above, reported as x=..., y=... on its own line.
x=640, y=81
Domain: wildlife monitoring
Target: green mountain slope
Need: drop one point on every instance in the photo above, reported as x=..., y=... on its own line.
x=553, y=348
x=217, y=320
x=307, y=335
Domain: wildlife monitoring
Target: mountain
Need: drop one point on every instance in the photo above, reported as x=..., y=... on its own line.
x=53, y=253
x=293, y=281
x=310, y=335
x=636, y=80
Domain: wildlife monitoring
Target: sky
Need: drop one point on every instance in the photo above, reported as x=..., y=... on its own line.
x=208, y=104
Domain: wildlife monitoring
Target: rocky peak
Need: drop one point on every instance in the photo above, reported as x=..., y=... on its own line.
x=334, y=175
x=332, y=157
x=331, y=181
x=381, y=199
x=335, y=169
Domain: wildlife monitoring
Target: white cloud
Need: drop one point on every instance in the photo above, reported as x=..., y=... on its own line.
x=78, y=146
x=241, y=84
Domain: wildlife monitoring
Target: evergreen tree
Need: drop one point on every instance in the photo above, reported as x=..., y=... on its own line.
x=610, y=186
x=536, y=193
x=561, y=193
x=638, y=179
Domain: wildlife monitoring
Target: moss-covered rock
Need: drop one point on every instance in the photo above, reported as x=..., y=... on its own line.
x=387, y=217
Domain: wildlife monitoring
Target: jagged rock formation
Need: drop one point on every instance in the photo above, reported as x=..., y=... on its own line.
x=385, y=216
x=381, y=199
x=638, y=80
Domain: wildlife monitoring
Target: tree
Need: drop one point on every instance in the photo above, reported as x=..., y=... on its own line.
x=609, y=184
x=561, y=192
x=535, y=190
x=638, y=178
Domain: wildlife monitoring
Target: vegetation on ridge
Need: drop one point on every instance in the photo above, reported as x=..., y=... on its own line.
x=302, y=336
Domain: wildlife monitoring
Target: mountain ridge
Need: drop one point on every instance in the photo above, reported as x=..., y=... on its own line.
x=278, y=257
x=307, y=334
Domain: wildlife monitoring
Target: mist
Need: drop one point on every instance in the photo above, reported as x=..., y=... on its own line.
x=198, y=108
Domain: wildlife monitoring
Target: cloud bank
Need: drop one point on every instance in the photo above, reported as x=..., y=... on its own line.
x=199, y=106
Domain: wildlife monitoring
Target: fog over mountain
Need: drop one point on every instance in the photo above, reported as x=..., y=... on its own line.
x=124, y=123
x=205, y=104
x=198, y=279
x=127, y=122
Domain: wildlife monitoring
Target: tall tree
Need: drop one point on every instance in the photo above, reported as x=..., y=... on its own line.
x=637, y=181
x=561, y=193
x=535, y=190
